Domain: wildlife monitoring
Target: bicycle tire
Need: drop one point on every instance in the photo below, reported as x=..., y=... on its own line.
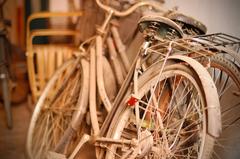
x=61, y=95
x=226, y=76
x=145, y=81
x=227, y=81
x=109, y=80
x=232, y=56
x=223, y=65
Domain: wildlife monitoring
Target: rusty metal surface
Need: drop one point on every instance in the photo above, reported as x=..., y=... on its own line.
x=159, y=27
x=222, y=39
x=179, y=17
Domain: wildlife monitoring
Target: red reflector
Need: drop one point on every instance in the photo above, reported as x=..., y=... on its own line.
x=132, y=101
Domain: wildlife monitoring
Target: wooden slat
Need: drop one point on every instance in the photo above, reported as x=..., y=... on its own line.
x=51, y=61
x=40, y=66
x=48, y=15
x=69, y=53
x=31, y=74
x=59, y=56
x=48, y=59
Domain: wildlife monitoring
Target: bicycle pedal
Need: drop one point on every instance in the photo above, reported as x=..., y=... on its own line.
x=54, y=155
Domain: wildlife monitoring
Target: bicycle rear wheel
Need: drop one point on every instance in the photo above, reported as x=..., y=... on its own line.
x=171, y=124
x=54, y=109
x=226, y=77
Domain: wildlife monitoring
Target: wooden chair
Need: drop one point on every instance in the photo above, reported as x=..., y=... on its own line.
x=44, y=59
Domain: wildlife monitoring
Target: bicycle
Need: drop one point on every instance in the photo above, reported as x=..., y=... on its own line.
x=69, y=147
x=14, y=86
x=4, y=70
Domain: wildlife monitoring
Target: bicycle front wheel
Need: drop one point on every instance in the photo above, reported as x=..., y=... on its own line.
x=54, y=109
x=171, y=121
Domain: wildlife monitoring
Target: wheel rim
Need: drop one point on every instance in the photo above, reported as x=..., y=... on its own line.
x=172, y=129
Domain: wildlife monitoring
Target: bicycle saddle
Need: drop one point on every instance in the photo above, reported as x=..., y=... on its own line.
x=155, y=27
x=188, y=22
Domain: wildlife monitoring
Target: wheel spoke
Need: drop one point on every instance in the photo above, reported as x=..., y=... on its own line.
x=56, y=110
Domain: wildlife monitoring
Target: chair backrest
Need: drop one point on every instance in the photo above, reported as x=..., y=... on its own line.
x=44, y=59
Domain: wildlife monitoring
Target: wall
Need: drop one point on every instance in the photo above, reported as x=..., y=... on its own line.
x=217, y=15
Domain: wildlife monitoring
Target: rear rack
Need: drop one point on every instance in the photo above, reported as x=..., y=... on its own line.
x=187, y=47
x=200, y=46
x=222, y=39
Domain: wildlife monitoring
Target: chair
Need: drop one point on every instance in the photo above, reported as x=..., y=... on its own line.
x=44, y=59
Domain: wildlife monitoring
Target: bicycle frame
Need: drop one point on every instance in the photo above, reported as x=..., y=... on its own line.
x=97, y=43
x=132, y=76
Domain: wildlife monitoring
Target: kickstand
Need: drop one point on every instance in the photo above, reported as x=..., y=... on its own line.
x=84, y=140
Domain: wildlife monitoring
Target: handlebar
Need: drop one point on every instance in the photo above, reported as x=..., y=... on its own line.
x=108, y=9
